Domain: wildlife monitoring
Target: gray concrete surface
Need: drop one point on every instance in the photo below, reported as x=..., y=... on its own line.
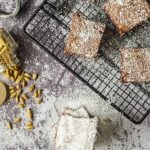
x=61, y=89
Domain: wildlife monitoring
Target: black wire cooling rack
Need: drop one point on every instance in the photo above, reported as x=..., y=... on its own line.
x=49, y=26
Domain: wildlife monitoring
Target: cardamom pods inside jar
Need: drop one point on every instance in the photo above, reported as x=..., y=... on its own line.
x=8, y=46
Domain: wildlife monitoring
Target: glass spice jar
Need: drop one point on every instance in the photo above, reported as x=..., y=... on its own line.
x=8, y=46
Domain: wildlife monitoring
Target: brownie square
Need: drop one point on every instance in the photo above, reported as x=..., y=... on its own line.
x=126, y=14
x=135, y=65
x=84, y=37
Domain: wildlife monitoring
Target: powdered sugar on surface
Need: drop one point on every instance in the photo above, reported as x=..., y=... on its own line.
x=61, y=90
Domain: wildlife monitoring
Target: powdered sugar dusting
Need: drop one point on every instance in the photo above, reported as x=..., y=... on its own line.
x=118, y=134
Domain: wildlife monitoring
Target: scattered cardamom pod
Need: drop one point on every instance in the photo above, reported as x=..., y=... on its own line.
x=16, y=73
x=21, y=106
x=39, y=92
x=39, y=100
x=9, y=125
x=24, y=83
x=35, y=94
x=27, y=75
x=19, y=92
x=25, y=96
x=17, y=99
x=31, y=88
x=27, y=79
x=13, y=95
x=29, y=114
x=34, y=76
x=29, y=125
x=17, y=120
x=11, y=87
x=18, y=80
x=12, y=91
x=22, y=100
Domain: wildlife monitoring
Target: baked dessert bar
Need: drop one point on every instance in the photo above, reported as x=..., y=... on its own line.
x=76, y=133
x=85, y=37
x=126, y=14
x=135, y=65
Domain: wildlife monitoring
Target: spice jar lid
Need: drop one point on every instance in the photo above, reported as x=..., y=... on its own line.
x=3, y=93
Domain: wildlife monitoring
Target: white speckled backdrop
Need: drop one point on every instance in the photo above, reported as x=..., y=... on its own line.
x=61, y=89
